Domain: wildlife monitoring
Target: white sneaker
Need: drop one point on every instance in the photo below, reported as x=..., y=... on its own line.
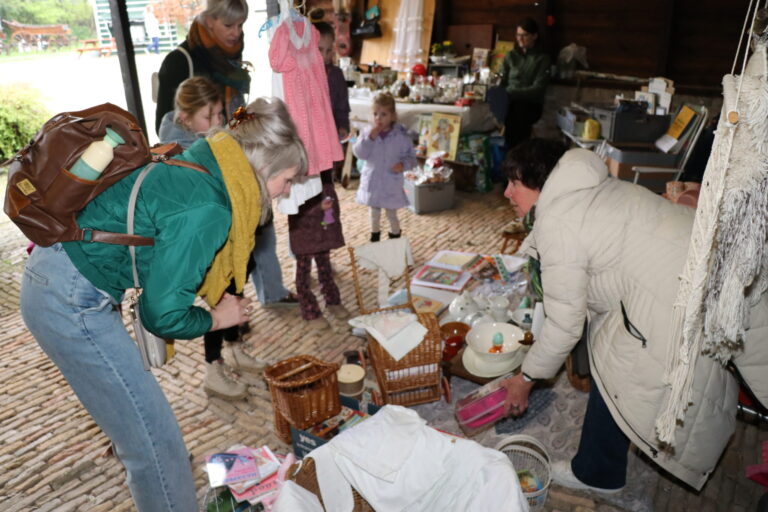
x=217, y=383
x=238, y=359
x=562, y=474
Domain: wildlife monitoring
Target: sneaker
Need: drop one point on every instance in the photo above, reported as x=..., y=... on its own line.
x=241, y=360
x=317, y=324
x=289, y=301
x=562, y=474
x=217, y=383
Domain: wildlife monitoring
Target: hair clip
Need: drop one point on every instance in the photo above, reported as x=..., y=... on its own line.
x=240, y=115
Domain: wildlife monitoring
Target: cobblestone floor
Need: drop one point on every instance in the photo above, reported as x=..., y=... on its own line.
x=54, y=458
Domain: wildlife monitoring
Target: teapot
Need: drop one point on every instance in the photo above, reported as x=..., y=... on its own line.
x=498, y=307
x=463, y=306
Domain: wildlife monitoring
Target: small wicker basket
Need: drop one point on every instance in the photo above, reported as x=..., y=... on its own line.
x=305, y=391
x=417, y=377
x=528, y=454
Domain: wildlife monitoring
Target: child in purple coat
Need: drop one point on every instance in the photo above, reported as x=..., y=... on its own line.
x=387, y=151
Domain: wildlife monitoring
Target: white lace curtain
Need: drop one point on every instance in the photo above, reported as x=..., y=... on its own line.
x=407, y=49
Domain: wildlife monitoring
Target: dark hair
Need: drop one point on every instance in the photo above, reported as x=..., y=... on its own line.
x=530, y=162
x=325, y=29
x=529, y=25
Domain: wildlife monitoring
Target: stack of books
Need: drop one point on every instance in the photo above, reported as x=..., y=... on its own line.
x=250, y=474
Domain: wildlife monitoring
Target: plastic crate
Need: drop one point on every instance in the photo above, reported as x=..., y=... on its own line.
x=429, y=197
x=630, y=126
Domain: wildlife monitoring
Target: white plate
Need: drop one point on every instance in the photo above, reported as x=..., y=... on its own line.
x=469, y=359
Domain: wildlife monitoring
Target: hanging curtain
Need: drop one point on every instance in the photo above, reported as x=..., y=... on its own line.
x=407, y=49
x=726, y=271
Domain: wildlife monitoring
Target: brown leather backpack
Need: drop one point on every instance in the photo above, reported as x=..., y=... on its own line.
x=43, y=198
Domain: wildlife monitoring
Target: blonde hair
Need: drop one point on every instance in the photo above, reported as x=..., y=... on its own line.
x=385, y=100
x=195, y=93
x=229, y=11
x=270, y=143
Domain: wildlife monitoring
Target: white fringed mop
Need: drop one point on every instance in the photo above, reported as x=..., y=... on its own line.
x=726, y=271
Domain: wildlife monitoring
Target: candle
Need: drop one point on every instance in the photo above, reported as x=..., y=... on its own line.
x=351, y=379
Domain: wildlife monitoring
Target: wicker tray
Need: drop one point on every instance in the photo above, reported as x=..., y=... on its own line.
x=306, y=476
x=305, y=391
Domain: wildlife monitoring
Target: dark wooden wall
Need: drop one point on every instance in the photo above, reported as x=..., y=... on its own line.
x=692, y=42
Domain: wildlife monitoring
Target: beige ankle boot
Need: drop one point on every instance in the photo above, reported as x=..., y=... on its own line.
x=338, y=311
x=239, y=359
x=217, y=383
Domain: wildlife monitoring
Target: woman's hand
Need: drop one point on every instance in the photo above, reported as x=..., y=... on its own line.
x=231, y=310
x=398, y=168
x=517, y=394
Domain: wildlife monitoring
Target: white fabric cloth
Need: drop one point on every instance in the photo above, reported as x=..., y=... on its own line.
x=295, y=498
x=407, y=49
x=726, y=270
x=398, y=332
x=398, y=463
x=389, y=257
x=300, y=193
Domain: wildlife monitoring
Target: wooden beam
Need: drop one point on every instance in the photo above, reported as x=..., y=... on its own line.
x=122, y=33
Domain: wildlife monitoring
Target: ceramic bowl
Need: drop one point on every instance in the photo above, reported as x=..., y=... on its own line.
x=518, y=316
x=451, y=329
x=480, y=362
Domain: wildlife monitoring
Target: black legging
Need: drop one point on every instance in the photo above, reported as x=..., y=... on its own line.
x=214, y=340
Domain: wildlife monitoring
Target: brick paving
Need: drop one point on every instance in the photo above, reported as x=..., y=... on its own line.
x=54, y=458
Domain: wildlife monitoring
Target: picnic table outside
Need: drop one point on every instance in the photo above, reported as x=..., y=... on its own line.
x=95, y=45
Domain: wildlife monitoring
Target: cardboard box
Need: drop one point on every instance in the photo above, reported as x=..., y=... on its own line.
x=430, y=197
x=657, y=182
x=303, y=442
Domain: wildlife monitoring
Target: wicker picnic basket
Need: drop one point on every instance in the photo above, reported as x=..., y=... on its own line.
x=305, y=391
x=416, y=378
x=305, y=475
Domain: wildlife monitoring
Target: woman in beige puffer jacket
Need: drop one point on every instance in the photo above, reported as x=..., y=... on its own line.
x=611, y=253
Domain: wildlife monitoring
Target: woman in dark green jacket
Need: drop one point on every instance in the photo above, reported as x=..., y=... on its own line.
x=203, y=226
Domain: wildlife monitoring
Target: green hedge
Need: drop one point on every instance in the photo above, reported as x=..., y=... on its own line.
x=21, y=116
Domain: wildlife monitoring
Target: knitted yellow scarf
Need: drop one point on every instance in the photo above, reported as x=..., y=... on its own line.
x=245, y=196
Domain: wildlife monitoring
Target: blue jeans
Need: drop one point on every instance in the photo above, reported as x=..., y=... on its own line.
x=602, y=457
x=80, y=329
x=267, y=276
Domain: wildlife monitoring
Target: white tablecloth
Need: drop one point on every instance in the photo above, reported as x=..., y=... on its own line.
x=477, y=118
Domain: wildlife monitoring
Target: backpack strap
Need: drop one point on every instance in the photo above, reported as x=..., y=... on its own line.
x=129, y=239
x=189, y=60
x=163, y=153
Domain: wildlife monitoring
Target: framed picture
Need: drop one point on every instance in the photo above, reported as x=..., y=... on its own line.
x=479, y=58
x=444, y=134
x=500, y=51
x=474, y=91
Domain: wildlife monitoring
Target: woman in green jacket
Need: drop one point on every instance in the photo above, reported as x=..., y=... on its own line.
x=525, y=76
x=202, y=225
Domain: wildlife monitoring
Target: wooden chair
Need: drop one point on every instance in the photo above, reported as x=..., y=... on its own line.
x=513, y=233
x=417, y=377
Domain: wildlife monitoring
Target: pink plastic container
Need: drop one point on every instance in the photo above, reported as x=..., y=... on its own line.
x=481, y=408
